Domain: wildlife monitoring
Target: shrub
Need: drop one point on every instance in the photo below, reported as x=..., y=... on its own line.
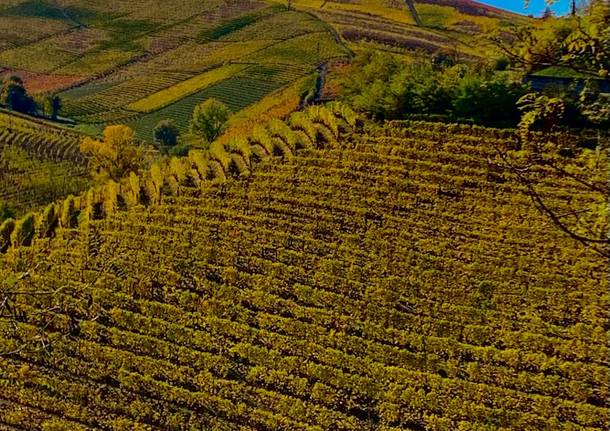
x=23, y=234
x=111, y=198
x=210, y=119
x=135, y=189
x=166, y=133
x=69, y=213
x=180, y=150
x=6, y=212
x=501, y=64
x=6, y=229
x=48, y=221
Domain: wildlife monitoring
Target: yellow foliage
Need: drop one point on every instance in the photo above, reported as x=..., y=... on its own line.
x=115, y=155
x=279, y=104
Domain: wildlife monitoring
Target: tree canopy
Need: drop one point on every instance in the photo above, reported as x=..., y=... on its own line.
x=210, y=119
x=388, y=87
x=580, y=42
x=14, y=95
x=115, y=155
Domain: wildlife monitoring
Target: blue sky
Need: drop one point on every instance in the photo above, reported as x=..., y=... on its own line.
x=536, y=7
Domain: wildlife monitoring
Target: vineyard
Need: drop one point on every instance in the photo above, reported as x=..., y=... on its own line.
x=137, y=65
x=322, y=274
x=39, y=163
x=447, y=25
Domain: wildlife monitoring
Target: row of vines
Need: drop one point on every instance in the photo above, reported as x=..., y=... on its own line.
x=378, y=278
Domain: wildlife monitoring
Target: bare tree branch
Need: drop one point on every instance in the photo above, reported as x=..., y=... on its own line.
x=590, y=242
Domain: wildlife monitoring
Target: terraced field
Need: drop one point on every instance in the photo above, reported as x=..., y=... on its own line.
x=389, y=278
x=237, y=93
x=118, y=66
x=447, y=25
x=39, y=163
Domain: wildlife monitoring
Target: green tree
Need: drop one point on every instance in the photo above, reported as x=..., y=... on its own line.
x=210, y=119
x=115, y=155
x=488, y=99
x=53, y=105
x=166, y=133
x=49, y=106
x=15, y=96
x=387, y=87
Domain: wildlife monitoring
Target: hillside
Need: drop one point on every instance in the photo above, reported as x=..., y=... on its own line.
x=394, y=278
x=446, y=25
x=139, y=63
x=39, y=163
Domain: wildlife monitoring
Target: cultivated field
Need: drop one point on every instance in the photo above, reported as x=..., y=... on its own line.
x=450, y=25
x=39, y=163
x=139, y=65
x=393, y=277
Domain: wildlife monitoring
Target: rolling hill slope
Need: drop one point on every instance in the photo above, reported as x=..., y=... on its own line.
x=106, y=60
x=393, y=279
x=446, y=25
x=39, y=163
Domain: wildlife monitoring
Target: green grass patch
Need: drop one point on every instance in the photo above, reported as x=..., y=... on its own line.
x=236, y=24
x=124, y=32
x=89, y=129
x=34, y=9
x=227, y=28
x=49, y=10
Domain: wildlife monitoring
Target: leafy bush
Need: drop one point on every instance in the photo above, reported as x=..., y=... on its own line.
x=180, y=150
x=48, y=221
x=69, y=213
x=210, y=119
x=6, y=211
x=24, y=231
x=6, y=229
x=386, y=87
x=166, y=133
x=501, y=64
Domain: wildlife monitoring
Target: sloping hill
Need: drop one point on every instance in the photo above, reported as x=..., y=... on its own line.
x=39, y=163
x=396, y=279
x=445, y=25
x=106, y=60
x=471, y=7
